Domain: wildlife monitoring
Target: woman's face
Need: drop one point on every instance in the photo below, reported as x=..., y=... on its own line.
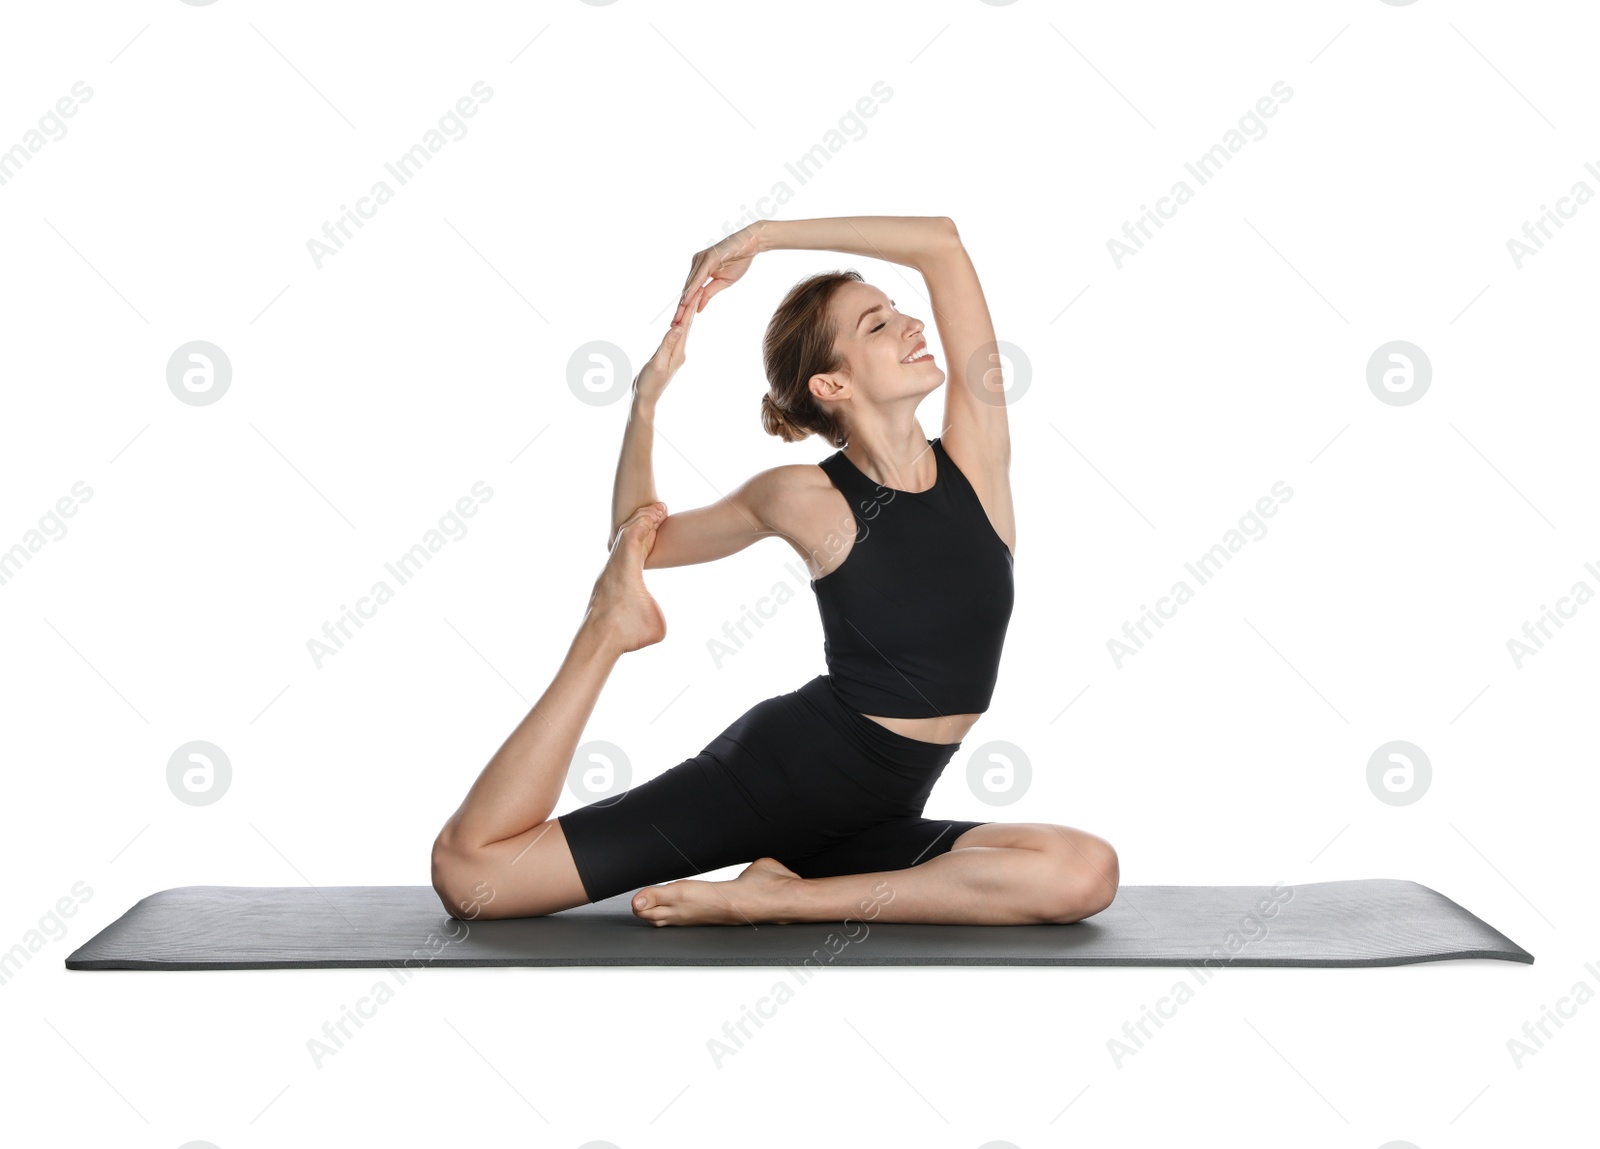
x=885, y=353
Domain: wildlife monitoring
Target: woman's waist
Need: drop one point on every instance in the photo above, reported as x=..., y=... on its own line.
x=945, y=729
x=915, y=742
x=913, y=697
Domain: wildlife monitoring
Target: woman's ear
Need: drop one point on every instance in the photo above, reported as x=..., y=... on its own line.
x=826, y=387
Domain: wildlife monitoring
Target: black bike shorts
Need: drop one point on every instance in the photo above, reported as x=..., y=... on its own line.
x=799, y=777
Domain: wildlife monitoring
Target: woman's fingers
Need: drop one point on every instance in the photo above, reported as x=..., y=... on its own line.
x=683, y=302
x=701, y=295
x=669, y=356
x=688, y=306
x=697, y=275
x=711, y=290
x=679, y=331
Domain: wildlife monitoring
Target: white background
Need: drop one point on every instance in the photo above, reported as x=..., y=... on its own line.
x=370, y=394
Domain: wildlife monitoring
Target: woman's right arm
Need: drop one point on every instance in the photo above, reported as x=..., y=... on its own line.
x=752, y=511
x=635, y=484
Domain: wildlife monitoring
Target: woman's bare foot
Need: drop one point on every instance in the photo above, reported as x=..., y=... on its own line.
x=621, y=609
x=761, y=893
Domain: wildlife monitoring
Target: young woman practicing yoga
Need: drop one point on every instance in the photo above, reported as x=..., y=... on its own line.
x=909, y=543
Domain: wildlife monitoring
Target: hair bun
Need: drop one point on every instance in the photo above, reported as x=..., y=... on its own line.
x=775, y=421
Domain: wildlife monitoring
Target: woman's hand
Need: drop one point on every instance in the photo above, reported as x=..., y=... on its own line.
x=719, y=266
x=654, y=376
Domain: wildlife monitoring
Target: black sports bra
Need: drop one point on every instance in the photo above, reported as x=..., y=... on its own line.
x=915, y=617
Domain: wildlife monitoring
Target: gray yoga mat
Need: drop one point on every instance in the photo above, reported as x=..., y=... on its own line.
x=1372, y=922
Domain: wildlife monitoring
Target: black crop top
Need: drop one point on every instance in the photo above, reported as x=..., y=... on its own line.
x=915, y=617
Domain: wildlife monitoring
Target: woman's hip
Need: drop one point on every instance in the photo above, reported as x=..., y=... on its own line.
x=805, y=751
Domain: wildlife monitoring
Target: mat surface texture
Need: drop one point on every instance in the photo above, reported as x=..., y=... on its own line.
x=1369, y=922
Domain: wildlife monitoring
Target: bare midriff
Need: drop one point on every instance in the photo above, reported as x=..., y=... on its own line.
x=943, y=729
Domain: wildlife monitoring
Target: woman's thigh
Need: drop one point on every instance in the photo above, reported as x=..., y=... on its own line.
x=894, y=844
x=783, y=780
x=687, y=821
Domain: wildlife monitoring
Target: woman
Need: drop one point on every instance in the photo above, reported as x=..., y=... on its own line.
x=909, y=542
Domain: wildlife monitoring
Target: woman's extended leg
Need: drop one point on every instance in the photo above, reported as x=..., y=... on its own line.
x=501, y=854
x=999, y=873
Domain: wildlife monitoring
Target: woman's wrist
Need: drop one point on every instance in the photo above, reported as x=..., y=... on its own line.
x=767, y=232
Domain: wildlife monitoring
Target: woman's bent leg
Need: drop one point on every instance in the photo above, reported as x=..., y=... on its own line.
x=522, y=782
x=995, y=873
x=691, y=819
x=503, y=827
x=523, y=876
x=991, y=873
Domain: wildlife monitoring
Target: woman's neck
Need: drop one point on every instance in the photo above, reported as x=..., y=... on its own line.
x=900, y=459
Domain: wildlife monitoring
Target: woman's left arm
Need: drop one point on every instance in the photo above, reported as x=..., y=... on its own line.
x=975, y=432
x=908, y=240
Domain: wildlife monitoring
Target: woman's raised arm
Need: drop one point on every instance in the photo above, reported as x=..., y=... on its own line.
x=909, y=240
x=748, y=513
x=635, y=484
x=974, y=429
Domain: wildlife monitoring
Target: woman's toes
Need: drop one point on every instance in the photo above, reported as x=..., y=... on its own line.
x=654, y=904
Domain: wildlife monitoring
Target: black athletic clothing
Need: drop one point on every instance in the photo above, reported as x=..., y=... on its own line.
x=915, y=617
x=799, y=777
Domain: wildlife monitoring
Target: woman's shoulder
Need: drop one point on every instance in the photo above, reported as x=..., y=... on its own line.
x=784, y=489
x=801, y=502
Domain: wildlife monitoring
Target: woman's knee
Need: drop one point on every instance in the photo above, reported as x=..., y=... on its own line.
x=1090, y=875
x=451, y=874
x=527, y=875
